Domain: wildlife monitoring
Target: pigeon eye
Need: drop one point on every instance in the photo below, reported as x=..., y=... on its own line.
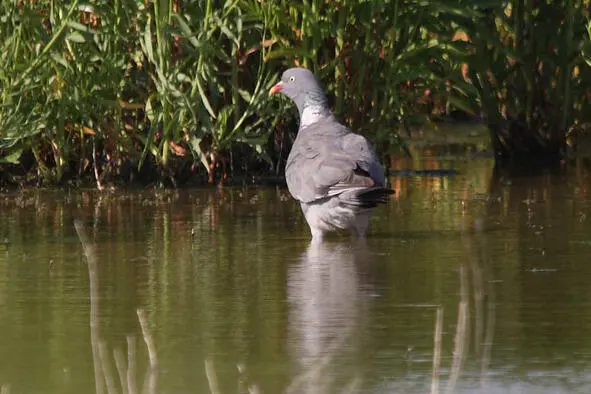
x=291, y=79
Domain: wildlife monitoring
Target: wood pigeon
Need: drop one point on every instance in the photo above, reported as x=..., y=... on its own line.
x=334, y=173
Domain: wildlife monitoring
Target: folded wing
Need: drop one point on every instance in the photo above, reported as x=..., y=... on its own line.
x=329, y=160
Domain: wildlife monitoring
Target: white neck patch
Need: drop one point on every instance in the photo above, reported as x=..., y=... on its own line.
x=312, y=114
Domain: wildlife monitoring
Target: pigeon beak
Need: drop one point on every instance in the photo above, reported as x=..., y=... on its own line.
x=276, y=88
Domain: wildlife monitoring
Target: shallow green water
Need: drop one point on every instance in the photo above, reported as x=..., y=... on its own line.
x=227, y=280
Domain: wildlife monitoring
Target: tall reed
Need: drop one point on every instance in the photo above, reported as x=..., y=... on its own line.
x=108, y=89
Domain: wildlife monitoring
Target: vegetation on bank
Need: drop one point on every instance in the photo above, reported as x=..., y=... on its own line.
x=176, y=91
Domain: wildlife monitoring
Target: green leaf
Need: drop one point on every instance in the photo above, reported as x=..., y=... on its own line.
x=204, y=98
x=80, y=27
x=13, y=157
x=187, y=31
x=465, y=104
x=147, y=41
x=76, y=37
x=245, y=94
x=196, y=148
x=586, y=51
x=60, y=59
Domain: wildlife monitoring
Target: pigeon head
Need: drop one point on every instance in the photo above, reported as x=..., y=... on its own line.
x=302, y=87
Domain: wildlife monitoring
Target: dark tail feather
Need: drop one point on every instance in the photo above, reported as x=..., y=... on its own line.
x=367, y=198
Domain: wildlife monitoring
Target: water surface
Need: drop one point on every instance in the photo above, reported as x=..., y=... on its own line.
x=236, y=299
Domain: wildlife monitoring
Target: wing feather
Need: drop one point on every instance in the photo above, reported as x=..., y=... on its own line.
x=327, y=159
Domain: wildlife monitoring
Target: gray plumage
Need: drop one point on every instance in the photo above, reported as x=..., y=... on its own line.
x=333, y=172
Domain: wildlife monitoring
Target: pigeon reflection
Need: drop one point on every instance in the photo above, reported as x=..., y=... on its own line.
x=324, y=314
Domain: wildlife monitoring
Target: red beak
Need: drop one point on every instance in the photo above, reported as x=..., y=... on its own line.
x=276, y=88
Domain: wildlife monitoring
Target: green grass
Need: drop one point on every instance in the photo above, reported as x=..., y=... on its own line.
x=170, y=89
